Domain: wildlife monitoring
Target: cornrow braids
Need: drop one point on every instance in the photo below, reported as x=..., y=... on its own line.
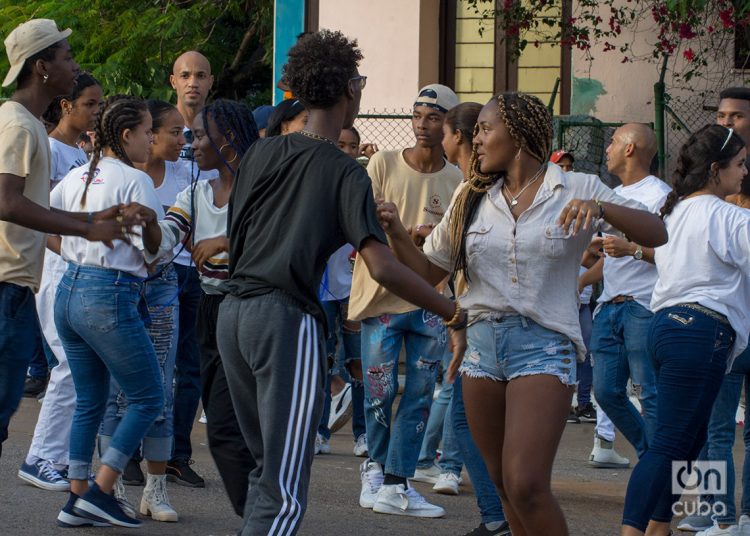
x=711, y=144
x=120, y=112
x=529, y=124
x=235, y=122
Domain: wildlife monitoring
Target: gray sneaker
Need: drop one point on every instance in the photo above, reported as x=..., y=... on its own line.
x=695, y=523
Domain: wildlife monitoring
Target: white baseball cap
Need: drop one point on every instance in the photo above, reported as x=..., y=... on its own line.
x=28, y=39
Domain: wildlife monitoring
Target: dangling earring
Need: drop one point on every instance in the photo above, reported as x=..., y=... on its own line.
x=235, y=153
x=45, y=76
x=518, y=154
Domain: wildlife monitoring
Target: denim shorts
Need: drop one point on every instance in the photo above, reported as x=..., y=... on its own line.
x=508, y=347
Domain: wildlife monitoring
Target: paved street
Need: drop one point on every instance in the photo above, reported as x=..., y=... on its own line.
x=592, y=499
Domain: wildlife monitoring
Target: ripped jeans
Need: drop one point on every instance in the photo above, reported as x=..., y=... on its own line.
x=161, y=297
x=508, y=347
x=396, y=444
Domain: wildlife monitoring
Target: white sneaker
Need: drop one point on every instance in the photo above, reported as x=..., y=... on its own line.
x=744, y=527
x=322, y=445
x=203, y=419
x=402, y=501
x=341, y=409
x=447, y=484
x=716, y=531
x=604, y=456
x=372, y=480
x=428, y=475
x=694, y=523
x=360, y=447
x=122, y=499
x=155, y=501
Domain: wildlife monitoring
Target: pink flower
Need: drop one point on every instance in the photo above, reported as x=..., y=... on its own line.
x=689, y=54
x=727, y=17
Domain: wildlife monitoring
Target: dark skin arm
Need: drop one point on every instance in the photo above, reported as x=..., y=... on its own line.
x=592, y=275
x=397, y=278
x=19, y=209
x=151, y=230
x=641, y=226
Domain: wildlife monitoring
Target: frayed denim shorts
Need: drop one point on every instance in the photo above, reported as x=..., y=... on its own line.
x=508, y=347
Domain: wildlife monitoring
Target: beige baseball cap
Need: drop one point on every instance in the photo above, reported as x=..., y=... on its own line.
x=26, y=40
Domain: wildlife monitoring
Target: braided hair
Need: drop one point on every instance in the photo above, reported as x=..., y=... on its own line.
x=53, y=114
x=711, y=144
x=120, y=112
x=234, y=120
x=529, y=124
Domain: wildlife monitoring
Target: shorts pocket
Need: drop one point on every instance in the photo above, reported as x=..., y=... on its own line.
x=100, y=310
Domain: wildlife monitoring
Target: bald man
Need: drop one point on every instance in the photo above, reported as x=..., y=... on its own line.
x=192, y=80
x=619, y=338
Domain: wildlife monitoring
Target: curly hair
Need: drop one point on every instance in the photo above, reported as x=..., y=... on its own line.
x=53, y=114
x=529, y=123
x=709, y=145
x=320, y=66
x=234, y=120
x=120, y=112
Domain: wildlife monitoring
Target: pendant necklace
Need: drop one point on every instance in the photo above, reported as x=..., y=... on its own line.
x=513, y=199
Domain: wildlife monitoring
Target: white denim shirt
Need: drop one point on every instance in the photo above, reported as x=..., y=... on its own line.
x=530, y=266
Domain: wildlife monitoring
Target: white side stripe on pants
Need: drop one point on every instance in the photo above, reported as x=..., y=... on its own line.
x=298, y=427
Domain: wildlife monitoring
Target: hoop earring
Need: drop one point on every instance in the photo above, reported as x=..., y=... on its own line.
x=235, y=153
x=45, y=76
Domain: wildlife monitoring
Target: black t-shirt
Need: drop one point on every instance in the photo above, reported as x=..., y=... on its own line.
x=295, y=201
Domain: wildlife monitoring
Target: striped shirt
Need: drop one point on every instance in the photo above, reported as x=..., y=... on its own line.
x=196, y=209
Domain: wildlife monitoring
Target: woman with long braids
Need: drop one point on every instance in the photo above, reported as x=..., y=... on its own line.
x=700, y=320
x=516, y=231
x=97, y=317
x=223, y=131
x=161, y=300
x=48, y=453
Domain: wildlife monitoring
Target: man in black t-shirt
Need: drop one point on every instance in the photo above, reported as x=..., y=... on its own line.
x=296, y=200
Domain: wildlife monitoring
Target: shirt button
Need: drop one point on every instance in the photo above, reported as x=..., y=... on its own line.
x=547, y=232
x=483, y=229
x=514, y=280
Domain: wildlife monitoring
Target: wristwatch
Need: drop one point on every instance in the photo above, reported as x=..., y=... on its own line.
x=638, y=255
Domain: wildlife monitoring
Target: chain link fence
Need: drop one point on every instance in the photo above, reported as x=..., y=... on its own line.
x=386, y=129
x=683, y=116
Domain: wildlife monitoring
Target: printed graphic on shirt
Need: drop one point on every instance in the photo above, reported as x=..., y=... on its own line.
x=436, y=206
x=96, y=180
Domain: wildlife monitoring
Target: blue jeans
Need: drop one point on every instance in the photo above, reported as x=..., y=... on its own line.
x=161, y=300
x=690, y=351
x=620, y=351
x=490, y=507
x=18, y=322
x=395, y=445
x=187, y=392
x=721, y=432
x=584, y=371
x=97, y=318
x=440, y=425
x=350, y=350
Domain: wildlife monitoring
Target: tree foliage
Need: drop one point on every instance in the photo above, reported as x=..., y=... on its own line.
x=130, y=45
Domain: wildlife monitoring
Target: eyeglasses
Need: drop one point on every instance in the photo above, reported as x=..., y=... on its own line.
x=362, y=80
x=729, y=136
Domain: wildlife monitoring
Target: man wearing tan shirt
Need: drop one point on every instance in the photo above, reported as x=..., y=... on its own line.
x=421, y=183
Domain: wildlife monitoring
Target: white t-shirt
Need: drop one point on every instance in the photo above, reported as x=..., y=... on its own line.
x=64, y=158
x=177, y=177
x=627, y=276
x=707, y=261
x=114, y=183
x=337, y=278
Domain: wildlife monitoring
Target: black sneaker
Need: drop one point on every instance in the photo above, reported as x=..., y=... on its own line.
x=573, y=416
x=103, y=508
x=180, y=472
x=33, y=386
x=67, y=518
x=133, y=475
x=482, y=530
x=587, y=413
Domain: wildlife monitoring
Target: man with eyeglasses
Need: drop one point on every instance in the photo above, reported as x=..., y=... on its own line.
x=733, y=113
x=421, y=182
x=296, y=200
